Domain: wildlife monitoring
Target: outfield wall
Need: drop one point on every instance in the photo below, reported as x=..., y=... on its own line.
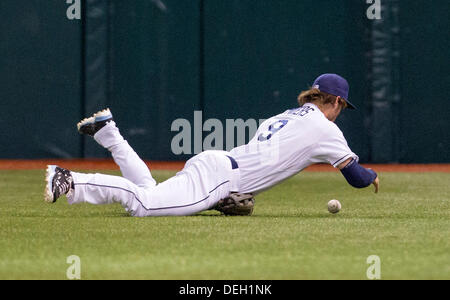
x=155, y=61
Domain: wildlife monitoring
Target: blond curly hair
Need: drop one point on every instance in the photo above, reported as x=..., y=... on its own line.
x=317, y=97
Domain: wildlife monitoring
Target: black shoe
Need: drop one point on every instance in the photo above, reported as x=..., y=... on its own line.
x=91, y=125
x=59, y=182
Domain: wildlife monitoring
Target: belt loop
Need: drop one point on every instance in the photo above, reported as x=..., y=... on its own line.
x=234, y=164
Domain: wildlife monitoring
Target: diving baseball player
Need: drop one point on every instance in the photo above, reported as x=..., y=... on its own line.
x=283, y=146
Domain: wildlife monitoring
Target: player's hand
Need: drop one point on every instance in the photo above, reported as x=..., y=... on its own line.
x=376, y=183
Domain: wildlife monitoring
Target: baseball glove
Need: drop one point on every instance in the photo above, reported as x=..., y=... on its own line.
x=236, y=205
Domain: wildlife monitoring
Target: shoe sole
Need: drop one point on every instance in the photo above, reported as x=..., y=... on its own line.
x=49, y=174
x=97, y=117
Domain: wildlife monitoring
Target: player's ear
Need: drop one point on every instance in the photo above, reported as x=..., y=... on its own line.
x=337, y=101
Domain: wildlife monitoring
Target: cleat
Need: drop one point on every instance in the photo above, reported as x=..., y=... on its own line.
x=97, y=121
x=59, y=182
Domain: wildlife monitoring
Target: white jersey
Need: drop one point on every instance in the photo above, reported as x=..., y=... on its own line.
x=286, y=144
x=283, y=146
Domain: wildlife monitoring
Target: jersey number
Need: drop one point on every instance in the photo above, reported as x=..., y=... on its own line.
x=274, y=128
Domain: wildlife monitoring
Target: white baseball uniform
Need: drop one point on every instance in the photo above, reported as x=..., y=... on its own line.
x=283, y=146
x=288, y=143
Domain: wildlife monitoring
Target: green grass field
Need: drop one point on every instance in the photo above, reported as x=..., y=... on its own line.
x=290, y=236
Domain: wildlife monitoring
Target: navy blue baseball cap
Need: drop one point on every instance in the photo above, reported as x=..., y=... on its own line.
x=335, y=85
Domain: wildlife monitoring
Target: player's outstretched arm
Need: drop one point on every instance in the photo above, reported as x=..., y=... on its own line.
x=358, y=176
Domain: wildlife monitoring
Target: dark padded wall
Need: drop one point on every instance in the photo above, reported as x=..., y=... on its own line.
x=40, y=88
x=155, y=61
x=259, y=55
x=425, y=81
x=154, y=71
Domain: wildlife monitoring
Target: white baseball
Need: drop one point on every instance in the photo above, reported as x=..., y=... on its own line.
x=334, y=206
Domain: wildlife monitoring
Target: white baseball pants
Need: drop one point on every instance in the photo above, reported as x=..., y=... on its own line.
x=205, y=179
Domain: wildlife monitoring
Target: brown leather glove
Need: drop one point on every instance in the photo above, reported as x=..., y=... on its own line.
x=236, y=205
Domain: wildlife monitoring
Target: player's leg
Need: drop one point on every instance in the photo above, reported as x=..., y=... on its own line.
x=205, y=180
x=107, y=189
x=104, y=130
x=93, y=189
x=181, y=195
x=131, y=165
